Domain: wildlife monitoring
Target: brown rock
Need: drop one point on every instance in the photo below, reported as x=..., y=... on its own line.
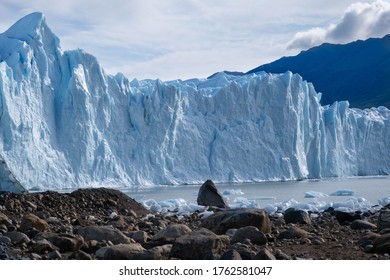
x=201, y=244
x=220, y=222
x=30, y=221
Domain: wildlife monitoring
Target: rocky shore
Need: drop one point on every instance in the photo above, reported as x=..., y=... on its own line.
x=90, y=224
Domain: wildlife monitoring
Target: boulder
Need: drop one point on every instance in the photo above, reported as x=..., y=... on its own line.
x=250, y=232
x=384, y=219
x=17, y=237
x=101, y=233
x=171, y=232
x=64, y=242
x=293, y=232
x=346, y=217
x=120, y=252
x=201, y=244
x=296, y=216
x=382, y=244
x=362, y=224
x=5, y=220
x=30, y=221
x=220, y=222
x=209, y=196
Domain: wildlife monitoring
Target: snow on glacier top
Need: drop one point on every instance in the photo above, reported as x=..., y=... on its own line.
x=65, y=123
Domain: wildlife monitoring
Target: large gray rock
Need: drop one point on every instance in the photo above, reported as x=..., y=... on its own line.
x=101, y=233
x=65, y=242
x=17, y=237
x=220, y=222
x=201, y=244
x=209, y=196
x=296, y=216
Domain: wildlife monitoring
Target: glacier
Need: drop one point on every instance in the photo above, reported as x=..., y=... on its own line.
x=65, y=123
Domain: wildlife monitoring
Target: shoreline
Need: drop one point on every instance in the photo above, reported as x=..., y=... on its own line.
x=105, y=223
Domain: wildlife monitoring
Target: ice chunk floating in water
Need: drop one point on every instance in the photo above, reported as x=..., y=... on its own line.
x=65, y=123
x=343, y=192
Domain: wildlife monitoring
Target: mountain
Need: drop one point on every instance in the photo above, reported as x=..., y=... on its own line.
x=358, y=72
x=65, y=123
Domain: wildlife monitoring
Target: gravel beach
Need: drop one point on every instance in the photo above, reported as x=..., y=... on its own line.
x=104, y=223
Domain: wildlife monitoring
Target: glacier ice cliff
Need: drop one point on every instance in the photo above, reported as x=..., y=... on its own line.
x=65, y=123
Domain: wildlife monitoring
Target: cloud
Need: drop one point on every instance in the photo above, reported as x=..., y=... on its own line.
x=360, y=21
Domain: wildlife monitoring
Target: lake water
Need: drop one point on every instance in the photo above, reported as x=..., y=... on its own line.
x=356, y=193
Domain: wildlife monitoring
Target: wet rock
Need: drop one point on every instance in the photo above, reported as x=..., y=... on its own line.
x=209, y=196
x=101, y=233
x=201, y=244
x=362, y=224
x=120, y=252
x=296, y=216
x=250, y=232
x=220, y=222
x=30, y=221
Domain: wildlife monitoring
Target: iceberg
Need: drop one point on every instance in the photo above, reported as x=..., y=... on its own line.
x=65, y=123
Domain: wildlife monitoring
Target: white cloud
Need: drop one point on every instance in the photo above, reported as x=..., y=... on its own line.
x=177, y=38
x=360, y=21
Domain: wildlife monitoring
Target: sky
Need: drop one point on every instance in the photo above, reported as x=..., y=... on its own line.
x=182, y=39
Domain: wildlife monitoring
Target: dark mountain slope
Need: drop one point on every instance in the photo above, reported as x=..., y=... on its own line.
x=358, y=72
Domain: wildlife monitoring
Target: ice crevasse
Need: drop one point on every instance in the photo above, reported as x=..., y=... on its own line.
x=65, y=123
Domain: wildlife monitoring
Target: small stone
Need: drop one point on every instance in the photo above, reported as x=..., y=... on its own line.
x=317, y=240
